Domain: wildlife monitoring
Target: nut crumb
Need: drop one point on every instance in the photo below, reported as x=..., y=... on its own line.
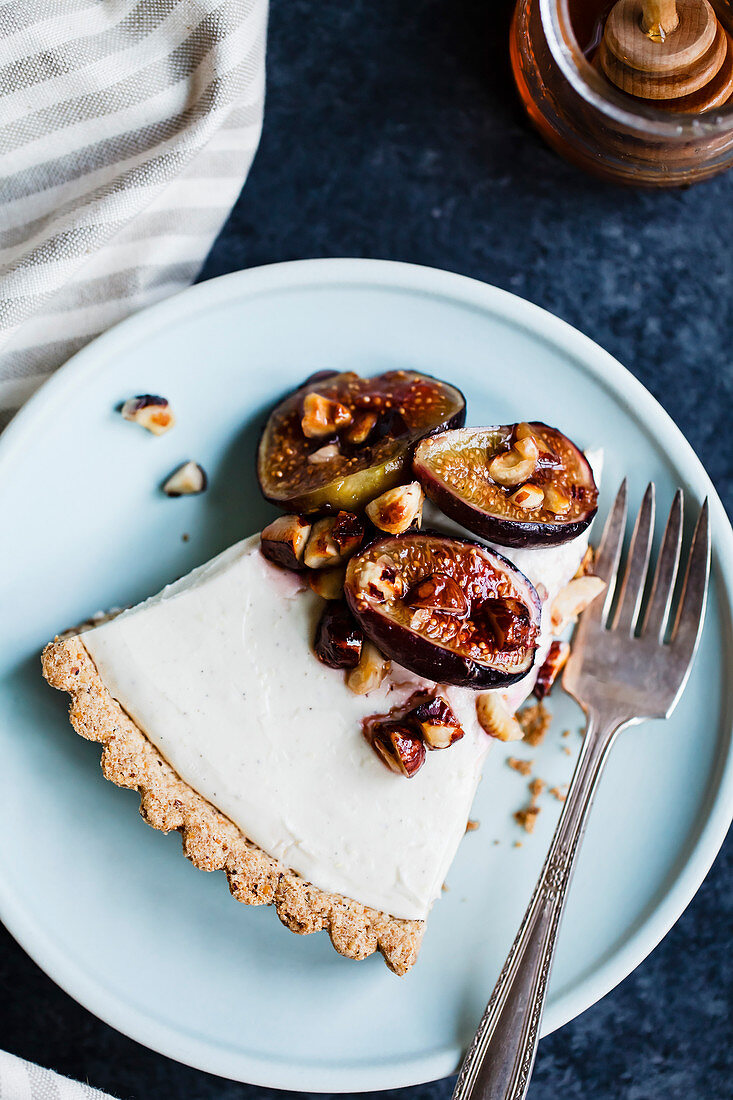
x=535, y=721
x=536, y=787
x=565, y=733
x=185, y=536
x=472, y=826
x=445, y=888
x=517, y=844
x=524, y=767
x=497, y=842
x=558, y=793
x=566, y=750
x=527, y=817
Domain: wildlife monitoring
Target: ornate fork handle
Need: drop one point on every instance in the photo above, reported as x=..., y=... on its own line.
x=499, y=1061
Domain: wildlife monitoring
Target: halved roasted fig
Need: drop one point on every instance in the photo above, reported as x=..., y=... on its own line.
x=339, y=441
x=517, y=485
x=487, y=639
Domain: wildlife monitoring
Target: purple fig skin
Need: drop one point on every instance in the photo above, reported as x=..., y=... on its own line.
x=518, y=534
x=427, y=658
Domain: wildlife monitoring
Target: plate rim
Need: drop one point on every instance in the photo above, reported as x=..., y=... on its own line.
x=640, y=405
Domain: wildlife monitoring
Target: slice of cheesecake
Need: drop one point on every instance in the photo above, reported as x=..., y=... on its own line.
x=209, y=701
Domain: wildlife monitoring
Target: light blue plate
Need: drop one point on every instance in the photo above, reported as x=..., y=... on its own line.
x=109, y=908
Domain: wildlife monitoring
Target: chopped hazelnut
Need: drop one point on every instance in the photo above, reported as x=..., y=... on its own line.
x=339, y=638
x=324, y=454
x=553, y=665
x=333, y=540
x=398, y=747
x=556, y=501
x=436, y=722
x=150, y=411
x=364, y=423
x=586, y=565
x=472, y=826
x=370, y=672
x=283, y=541
x=496, y=719
x=572, y=599
x=397, y=509
x=380, y=580
x=323, y=417
x=524, y=767
x=188, y=479
x=515, y=466
x=529, y=497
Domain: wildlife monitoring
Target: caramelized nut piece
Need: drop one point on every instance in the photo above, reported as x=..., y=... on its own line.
x=338, y=637
x=556, y=500
x=370, y=672
x=364, y=423
x=150, y=411
x=553, y=665
x=528, y=497
x=188, y=479
x=523, y=430
x=516, y=465
x=324, y=454
x=398, y=747
x=495, y=718
x=398, y=508
x=283, y=541
x=572, y=599
x=333, y=539
x=328, y=583
x=381, y=580
x=436, y=722
x=586, y=565
x=438, y=592
x=322, y=417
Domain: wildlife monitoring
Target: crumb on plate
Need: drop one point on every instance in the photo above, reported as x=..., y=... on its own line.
x=535, y=720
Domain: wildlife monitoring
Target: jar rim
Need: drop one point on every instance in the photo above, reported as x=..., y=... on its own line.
x=603, y=97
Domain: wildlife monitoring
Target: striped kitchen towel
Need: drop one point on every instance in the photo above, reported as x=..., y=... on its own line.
x=21, y=1080
x=127, y=128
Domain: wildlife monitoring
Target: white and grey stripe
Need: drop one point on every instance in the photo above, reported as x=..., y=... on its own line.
x=21, y=1080
x=127, y=128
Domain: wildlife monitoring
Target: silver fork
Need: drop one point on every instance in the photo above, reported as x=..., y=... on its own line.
x=619, y=679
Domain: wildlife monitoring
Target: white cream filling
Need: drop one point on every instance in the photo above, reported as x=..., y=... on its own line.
x=218, y=671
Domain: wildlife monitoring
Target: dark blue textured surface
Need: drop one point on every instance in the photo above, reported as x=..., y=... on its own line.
x=392, y=131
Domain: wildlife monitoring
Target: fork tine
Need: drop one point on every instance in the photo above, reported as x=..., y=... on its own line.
x=607, y=559
x=655, y=620
x=632, y=587
x=691, y=611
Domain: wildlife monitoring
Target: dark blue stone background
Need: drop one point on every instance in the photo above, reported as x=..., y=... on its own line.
x=392, y=130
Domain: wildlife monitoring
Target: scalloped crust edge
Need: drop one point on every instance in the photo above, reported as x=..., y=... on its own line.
x=210, y=840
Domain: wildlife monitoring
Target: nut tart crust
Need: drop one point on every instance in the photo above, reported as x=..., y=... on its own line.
x=210, y=840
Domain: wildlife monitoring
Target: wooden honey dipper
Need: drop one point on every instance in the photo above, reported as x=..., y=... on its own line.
x=674, y=52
